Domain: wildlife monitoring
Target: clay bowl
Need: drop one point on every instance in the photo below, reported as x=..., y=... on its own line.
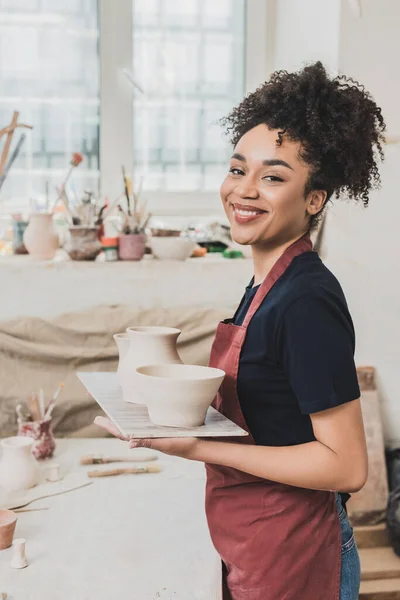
x=172, y=248
x=178, y=395
x=8, y=521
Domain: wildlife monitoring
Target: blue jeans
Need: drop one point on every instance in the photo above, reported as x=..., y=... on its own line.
x=350, y=568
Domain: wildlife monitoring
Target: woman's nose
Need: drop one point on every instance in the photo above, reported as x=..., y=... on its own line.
x=247, y=189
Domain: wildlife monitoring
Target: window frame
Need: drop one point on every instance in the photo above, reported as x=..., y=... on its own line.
x=116, y=106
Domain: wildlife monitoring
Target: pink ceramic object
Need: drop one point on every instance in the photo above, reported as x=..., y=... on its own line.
x=43, y=439
x=8, y=521
x=147, y=346
x=132, y=246
x=178, y=395
x=122, y=340
x=40, y=238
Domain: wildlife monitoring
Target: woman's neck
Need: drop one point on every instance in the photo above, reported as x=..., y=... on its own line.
x=264, y=257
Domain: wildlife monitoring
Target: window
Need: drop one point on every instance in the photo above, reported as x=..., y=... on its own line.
x=136, y=82
x=49, y=72
x=185, y=65
x=188, y=67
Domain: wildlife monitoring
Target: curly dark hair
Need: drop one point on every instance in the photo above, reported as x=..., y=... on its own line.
x=338, y=124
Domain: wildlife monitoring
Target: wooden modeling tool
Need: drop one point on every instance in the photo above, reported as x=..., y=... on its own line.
x=9, y=130
x=125, y=471
x=34, y=408
x=93, y=459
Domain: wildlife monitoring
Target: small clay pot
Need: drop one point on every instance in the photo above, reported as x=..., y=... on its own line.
x=132, y=246
x=8, y=521
x=84, y=243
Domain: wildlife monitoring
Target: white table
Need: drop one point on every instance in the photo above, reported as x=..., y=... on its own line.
x=136, y=537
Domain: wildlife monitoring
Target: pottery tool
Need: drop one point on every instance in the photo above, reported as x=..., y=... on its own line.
x=71, y=482
x=20, y=414
x=24, y=510
x=34, y=407
x=19, y=560
x=93, y=459
x=76, y=160
x=12, y=159
x=125, y=471
x=52, y=404
x=126, y=190
x=9, y=130
x=41, y=403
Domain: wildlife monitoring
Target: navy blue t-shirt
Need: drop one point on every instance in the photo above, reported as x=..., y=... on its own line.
x=298, y=355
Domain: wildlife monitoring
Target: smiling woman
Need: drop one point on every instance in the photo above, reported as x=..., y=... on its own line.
x=288, y=351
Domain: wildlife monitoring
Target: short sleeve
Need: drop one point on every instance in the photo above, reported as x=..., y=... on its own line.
x=316, y=348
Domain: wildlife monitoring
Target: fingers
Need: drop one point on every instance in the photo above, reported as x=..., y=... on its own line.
x=106, y=424
x=144, y=443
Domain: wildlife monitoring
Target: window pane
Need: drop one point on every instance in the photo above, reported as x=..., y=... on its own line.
x=189, y=58
x=49, y=72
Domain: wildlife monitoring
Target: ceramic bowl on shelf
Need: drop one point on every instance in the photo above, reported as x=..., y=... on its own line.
x=178, y=395
x=172, y=248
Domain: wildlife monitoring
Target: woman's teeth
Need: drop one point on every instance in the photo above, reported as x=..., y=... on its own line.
x=246, y=213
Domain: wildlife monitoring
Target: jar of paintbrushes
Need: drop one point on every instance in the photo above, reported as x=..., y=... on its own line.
x=35, y=422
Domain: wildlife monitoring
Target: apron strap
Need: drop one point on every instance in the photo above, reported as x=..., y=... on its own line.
x=302, y=245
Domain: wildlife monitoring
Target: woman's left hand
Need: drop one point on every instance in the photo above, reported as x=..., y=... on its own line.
x=183, y=447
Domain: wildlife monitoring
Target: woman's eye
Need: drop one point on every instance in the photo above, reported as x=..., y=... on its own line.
x=273, y=178
x=236, y=171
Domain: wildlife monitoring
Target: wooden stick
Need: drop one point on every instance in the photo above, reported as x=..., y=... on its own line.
x=94, y=459
x=7, y=144
x=125, y=471
x=33, y=403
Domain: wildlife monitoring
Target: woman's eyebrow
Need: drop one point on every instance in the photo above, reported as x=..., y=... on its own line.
x=272, y=162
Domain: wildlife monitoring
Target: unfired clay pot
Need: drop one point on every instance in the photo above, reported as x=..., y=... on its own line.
x=84, y=243
x=40, y=238
x=178, y=395
x=147, y=345
x=132, y=246
x=8, y=521
x=122, y=340
x=18, y=468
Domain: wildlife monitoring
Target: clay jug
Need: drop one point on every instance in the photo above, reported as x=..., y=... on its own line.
x=18, y=469
x=147, y=346
x=122, y=340
x=40, y=238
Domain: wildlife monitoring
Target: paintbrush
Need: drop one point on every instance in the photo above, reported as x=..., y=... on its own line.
x=98, y=459
x=125, y=471
x=12, y=159
x=33, y=403
x=126, y=190
x=52, y=404
x=41, y=403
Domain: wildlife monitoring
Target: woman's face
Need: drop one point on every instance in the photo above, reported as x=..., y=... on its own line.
x=263, y=192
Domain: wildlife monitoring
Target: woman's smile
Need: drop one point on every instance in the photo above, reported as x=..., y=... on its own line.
x=244, y=214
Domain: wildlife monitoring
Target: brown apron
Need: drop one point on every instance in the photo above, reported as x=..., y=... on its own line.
x=277, y=542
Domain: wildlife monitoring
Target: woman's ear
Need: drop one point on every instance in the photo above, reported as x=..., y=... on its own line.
x=315, y=201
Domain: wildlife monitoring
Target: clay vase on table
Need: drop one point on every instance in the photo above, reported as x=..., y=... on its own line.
x=84, y=243
x=18, y=468
x=132, y=246
x=122, y=340
x=40, y=238
x=147, y=346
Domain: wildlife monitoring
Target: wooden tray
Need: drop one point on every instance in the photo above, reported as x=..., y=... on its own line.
x=133, y=419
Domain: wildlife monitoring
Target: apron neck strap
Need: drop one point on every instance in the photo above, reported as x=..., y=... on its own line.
x=302, y=245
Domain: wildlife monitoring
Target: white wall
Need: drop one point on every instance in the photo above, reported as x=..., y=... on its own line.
x=306, y=31
x=362, y=246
